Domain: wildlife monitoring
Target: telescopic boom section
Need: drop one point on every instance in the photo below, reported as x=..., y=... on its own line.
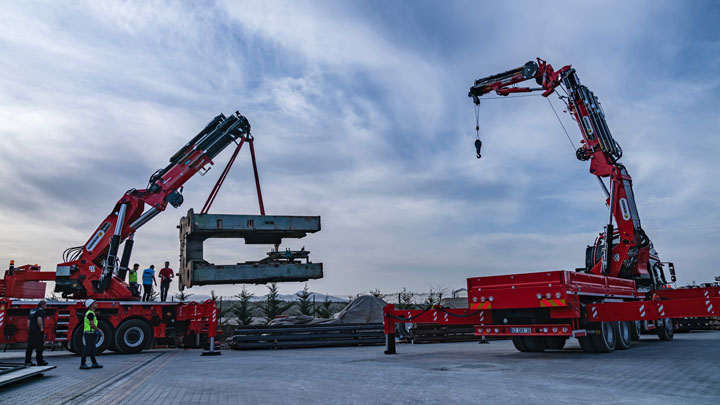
x=627, y=252
x=92, y=270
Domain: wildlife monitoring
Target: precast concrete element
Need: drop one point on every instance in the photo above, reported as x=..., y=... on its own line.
x=254, y=229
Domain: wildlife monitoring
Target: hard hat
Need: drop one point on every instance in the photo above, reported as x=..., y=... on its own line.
x=89, y=302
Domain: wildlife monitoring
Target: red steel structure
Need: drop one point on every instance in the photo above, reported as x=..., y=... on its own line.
x=94, y=270
x=620, y=293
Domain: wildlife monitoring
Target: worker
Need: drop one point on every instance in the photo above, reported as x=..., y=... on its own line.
x=132, y=278
x=36, y=334
x=148, y=281
x=90, y=334
x=166, y=276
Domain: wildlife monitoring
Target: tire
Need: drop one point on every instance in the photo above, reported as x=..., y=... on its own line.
x=519, y=343
x=606, y=340
x=132, y=336
x=102, y=342
x=556, y=342
x=536, y=343
x=624, y=336
x=635, y=330
x=586, y=344
x=667, y=330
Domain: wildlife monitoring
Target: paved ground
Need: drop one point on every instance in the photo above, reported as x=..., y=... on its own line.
x=686, y=370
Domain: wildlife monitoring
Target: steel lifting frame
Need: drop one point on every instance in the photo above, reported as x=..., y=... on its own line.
x=216, y=189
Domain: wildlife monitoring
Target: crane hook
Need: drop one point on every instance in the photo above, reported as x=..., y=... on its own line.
x=478, y=142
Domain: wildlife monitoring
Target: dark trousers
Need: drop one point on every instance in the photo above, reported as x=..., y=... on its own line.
x=147, y=292
x=88, y=347
x=134, y=289
x=164, y=287
x=36, y=341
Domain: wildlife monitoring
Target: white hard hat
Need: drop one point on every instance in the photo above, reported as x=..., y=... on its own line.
x=89, y=302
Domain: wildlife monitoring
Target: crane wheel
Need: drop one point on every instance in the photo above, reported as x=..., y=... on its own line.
x=132, y=336
x=606, y=340
x=556, y=342
x=519, y=343
x=586, y=344
x=536, y=343
x=667, y=330
x=624, y=336
x=101, y=343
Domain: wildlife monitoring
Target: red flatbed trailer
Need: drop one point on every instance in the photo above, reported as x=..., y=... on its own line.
x=542, y=310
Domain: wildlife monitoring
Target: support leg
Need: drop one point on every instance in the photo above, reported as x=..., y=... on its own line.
x=390, y=343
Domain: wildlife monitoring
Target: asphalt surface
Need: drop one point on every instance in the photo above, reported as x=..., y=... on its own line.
x=686, y=370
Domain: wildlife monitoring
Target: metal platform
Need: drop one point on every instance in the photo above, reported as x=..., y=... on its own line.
x=15, y=372
x=254, y=229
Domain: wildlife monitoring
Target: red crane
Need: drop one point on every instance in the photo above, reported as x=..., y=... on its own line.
x=93, y=269
x=622, y=291
x=629, y=253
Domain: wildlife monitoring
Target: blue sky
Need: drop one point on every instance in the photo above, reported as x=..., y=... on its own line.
x=360, y=115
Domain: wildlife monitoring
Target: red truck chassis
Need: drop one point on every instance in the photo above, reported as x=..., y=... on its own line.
x=127, y=326
x=542, y=310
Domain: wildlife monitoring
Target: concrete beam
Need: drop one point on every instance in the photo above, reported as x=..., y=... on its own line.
x=254, y=273
x=254, y=229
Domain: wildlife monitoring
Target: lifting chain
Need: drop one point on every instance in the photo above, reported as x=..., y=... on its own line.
x=478, y=142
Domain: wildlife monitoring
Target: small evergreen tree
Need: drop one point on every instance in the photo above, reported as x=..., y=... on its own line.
x=273, y=306
x=181, y=296
x=405, y=299
x=243, y=311
x=324, y=310
x=154, y=295
x=304, y=301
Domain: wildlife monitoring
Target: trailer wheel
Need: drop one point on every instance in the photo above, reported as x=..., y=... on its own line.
x=519, y=343
x=624, y=335
x=606, y=340
x=556, y=342
x=635, y=330
x=101, y=343
x=536, y=343
x=667, y=331
x=132, y=336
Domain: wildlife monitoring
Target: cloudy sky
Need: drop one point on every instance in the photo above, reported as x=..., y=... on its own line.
x=360, y=115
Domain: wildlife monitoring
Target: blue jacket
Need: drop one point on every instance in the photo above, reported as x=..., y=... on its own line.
x=148, y=275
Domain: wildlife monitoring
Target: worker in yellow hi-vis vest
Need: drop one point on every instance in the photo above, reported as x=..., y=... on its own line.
x=90, y=334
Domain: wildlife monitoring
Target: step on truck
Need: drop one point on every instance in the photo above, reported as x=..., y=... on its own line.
x=620, y=293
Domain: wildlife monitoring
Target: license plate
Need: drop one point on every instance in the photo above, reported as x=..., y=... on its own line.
x=520, y=330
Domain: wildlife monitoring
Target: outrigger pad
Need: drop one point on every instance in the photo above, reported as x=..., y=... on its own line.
x=254, y=229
